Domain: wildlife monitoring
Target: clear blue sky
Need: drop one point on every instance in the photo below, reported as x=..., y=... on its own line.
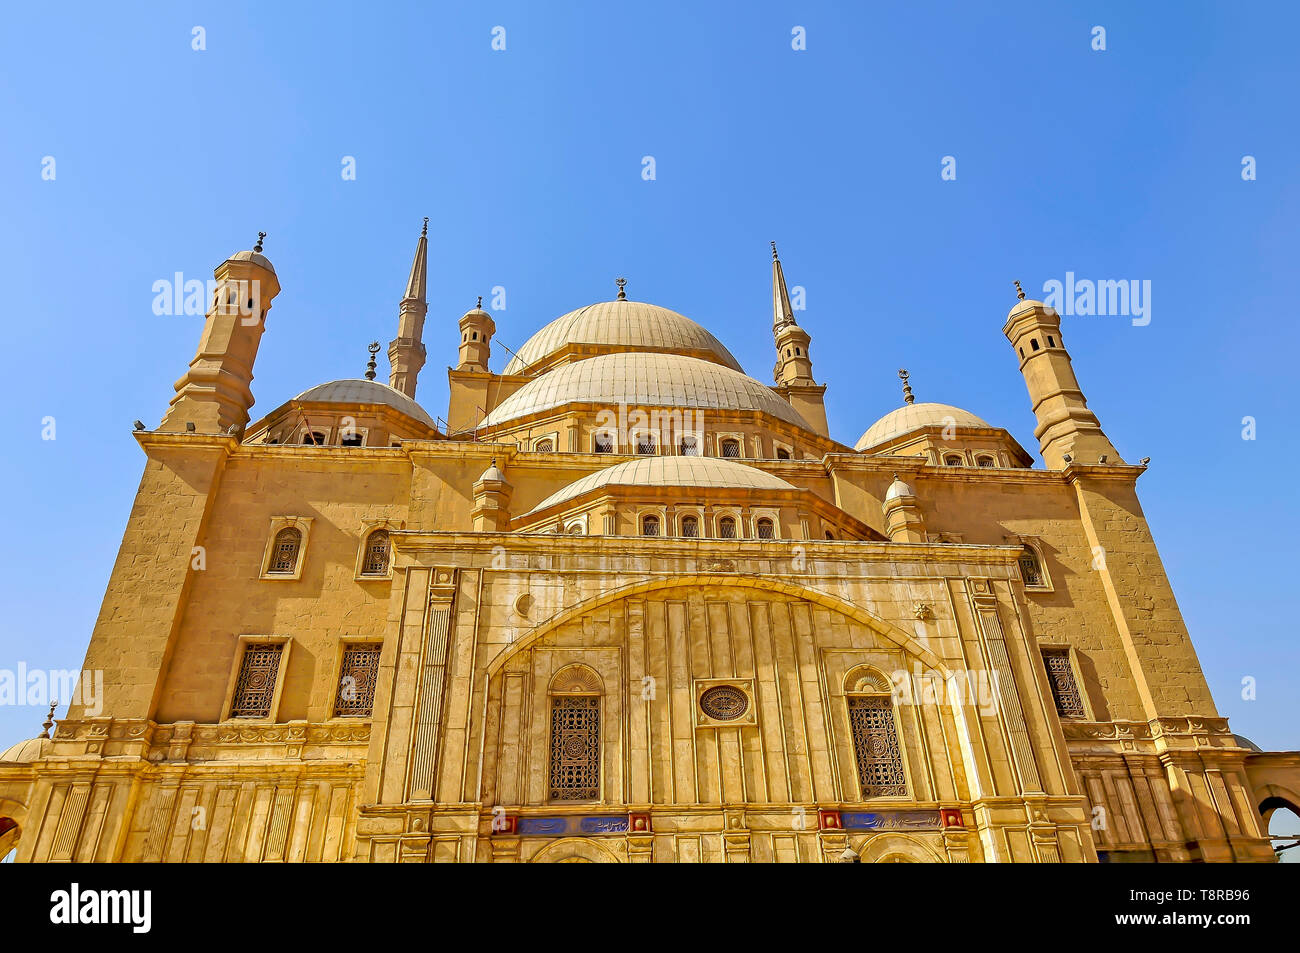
x=1117, y=164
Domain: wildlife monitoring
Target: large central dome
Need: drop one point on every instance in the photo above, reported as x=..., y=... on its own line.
x=620, y=326
x=640, y=379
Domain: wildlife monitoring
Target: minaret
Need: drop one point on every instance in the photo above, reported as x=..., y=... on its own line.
x=476, y=330
x=215, y=395
x=793, y=372
x=406, y=351
x=1065, y=424
x=793, y=364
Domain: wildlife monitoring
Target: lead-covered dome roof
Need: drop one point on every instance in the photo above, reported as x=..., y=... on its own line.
x=644, y=379
x=360, y=391
x=622, y=325
x=912, y=417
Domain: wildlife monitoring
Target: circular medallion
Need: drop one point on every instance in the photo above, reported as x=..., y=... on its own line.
x=724, y=702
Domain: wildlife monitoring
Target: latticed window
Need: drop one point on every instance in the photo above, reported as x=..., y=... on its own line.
x=603, y=443
x=1065, y=690
x=875, y=746
x=1030, y=571
x=726, y=528
x=284, y=551
x=952, y=460
x=645, y=443
x=352, y=439
x=375, y=562
x=766, y=529
x=985, y=462
x=575, y=748
x=357, y=675
x=690, y=446
x=690, y=527
x=544, y=446
x=255, y=686
x=731, y=448
x=649, y=526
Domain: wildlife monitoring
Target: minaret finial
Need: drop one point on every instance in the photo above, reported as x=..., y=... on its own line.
x=370, y=368
x=774, y=258
x=424, y=232
x=907, y=388
x=622, y=295
x=1020, y=292
x=480, y=302
x=49, y=720
x=258, y=246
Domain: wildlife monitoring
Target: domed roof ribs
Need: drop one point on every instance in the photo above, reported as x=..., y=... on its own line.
x=782, y=313
x=406, y=351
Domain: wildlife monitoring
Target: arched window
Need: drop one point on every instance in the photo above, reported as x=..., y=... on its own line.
x=690, y=527
x=284, y=551
x=766, y=529
x=782, y=453
x=1031, y=571
x=649, y=526
x=731, y=448
x=830, y=535
x=689, y=446
x=983, y=460
x=375, y=562
x=726, y=528
x=544, y=446
x=603, y=442
x=875, y=737
x=953, y=460
x=352, y=438
x=577, y=529
x=574, y=773
x=313, y=437
x=1033, y=344
x=645, y=443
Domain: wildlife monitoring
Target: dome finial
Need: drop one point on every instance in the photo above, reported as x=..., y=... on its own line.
x=258, y=246
x=424, y=232
x=1020, y=292
x=49, y=720
x=907, y=388
x=622, y=295
x=370, y=368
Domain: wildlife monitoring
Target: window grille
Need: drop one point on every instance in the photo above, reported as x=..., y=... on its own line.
x=377, y=551
x=544, y=446
x=255, y=686
x=357, y=675
x=650, y=526
x=726, y=528
x=766, y=529
x=1030, y=571
x=284, y=551
x=690, y=527
x=731, y=448
x=1065, y=690
x=575, y=748
x=645, y=443
x=690, y=447
x=352, y=439
x=603, y=443
x=952, y=460
x=875, y=746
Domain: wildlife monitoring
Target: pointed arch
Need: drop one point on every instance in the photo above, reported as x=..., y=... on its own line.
x=793, y=590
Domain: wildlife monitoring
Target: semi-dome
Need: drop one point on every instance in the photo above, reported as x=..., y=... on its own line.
x=359, y=391
x=676, y=472
x=912, y=417
x=644, y=379
x=634, y=325
x=25, y=752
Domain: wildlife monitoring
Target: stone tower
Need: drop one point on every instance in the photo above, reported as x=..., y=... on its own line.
x=406, y=351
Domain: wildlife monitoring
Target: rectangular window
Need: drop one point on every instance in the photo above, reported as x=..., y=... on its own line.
x=1065, y=690
x=255, y=686
x=875, y=746
x=357, y=675
x=575, y=748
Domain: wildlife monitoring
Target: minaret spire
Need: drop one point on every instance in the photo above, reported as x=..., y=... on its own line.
x=782, y=313
x=406, y=351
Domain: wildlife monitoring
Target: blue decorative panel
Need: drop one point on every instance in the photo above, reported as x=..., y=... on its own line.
x=891, y=821
x=571, y=826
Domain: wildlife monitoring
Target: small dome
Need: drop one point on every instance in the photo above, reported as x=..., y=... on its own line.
x=493, y=472
x=256, y=257
x=1027, y=304
x=639, y=379
x=912, y=417
x=684, y=472
x=25, y=752
x=634, y=325
x=360, y=391
x=898, y=488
